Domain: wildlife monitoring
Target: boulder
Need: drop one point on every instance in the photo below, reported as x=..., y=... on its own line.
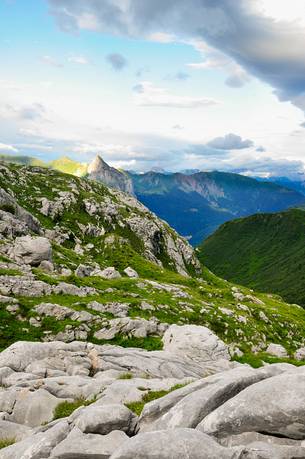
x=196, y=342
x=103, y=419
x=83, y=270
x=31, y=250
x=130, y=272
x=262, y=450
x=139, y=328
x=33, y=408
x=47, y=266
x=13, y=430
x=88, y=446
x=300, y=353
x=172, y=444
x=39, y=445
x=274, y=406
x=277, y=350
x=110, y=273
x=212, y=392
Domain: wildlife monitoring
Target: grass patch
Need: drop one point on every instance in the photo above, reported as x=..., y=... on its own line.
x=137, y=407
x=7, y=442
x=10, y=272
x=126, y=376
x=258, y=360
x=65, y=409
x=151, y=343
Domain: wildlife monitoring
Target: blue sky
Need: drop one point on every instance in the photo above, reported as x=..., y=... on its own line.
x=148, y=85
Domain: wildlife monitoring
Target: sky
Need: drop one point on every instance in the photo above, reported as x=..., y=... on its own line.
x=197, y=84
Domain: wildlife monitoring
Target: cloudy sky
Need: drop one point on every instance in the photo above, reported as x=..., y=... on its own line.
x=208, y=84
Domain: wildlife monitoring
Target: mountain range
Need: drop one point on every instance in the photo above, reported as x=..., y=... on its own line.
x=194, y=204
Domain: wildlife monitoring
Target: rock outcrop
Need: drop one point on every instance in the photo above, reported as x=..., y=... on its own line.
x=99, y=170
x=236, y=413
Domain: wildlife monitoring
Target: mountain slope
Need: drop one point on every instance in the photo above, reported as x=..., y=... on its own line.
x=69, y=166
x=195, y=205
x=264, y=251
x=58, y=283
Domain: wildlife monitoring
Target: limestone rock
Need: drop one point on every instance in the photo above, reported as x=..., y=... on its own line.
x=274, y=406
x=88, y=446
x=139, y=328
x=204, y=399
x=31, y=250
x=196, y=342
x=277, y=350
x=110, y=273
x=130, y=272
x=103, y=419
x=173, y=444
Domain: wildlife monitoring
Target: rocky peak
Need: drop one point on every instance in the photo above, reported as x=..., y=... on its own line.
x=99, y=170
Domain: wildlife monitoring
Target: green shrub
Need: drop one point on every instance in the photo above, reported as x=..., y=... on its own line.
x=137, y=407
x=64, y=409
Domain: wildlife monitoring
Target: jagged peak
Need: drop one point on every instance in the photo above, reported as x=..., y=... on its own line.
x=98, y=163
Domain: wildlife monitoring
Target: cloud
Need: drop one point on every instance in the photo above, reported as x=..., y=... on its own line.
x=230, y=142
x=51, y=61
x=78, y=60
x=268, y=49
x=149, y=95
x=182, y=76
x=269, y=167
x=4, y=148
x=31, y=112
x=237, y=79
x=162, y=37
x=117, y=61
x=260, y=149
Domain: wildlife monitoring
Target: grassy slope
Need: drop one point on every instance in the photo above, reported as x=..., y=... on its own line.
x=206, y=296
x=264, y=251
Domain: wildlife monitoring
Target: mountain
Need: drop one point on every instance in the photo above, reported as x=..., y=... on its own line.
x=21, y=159
x=69, y=166
x=195, y=205
x=99, y=170
x=264, y=251
x=82, y=261
x=296, y=185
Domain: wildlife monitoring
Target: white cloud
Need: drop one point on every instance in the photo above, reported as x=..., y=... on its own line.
x=162, y=37
x=78, y=60
x=149, y=95
x=49, y=60
x=230, y=142
x=4, y=148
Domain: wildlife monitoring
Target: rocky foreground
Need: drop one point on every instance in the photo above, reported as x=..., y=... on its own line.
x=129, y=339
x=85, y=401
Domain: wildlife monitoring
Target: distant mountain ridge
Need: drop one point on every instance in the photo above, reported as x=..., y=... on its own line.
x=263, y=251
x=196, y=204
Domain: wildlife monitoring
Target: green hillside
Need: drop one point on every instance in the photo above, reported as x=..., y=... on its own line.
x=264, y=251
x=22, y=159
x=69, y=166
x=91, y=227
